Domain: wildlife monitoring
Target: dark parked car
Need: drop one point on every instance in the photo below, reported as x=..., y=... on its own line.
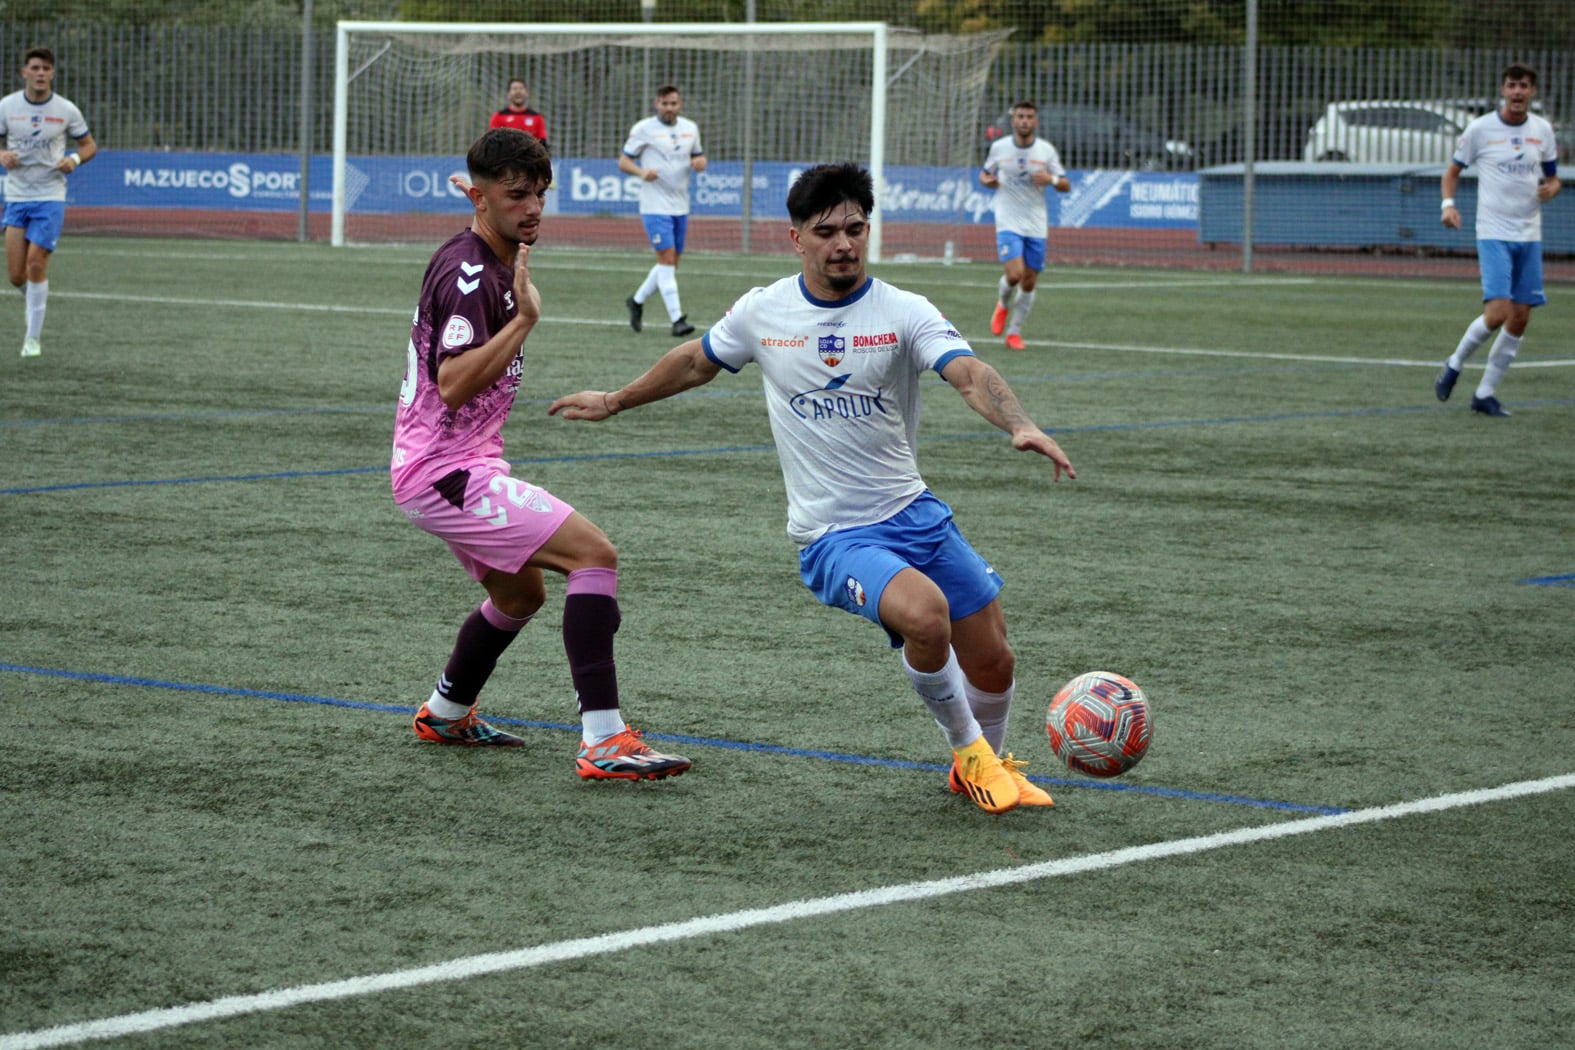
x=1091, y=137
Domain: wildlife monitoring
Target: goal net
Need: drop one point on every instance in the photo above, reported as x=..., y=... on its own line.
x=769, y=99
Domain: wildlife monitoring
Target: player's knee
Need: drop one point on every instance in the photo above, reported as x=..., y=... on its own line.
x=600, y=554
x=520, y=596
x=992, y=670
x=928, y=629
x=521, y=605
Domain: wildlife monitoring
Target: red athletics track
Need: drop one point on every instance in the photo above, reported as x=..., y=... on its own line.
x=1082, y=247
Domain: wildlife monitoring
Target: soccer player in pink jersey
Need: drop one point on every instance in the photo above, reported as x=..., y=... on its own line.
x=462, y=371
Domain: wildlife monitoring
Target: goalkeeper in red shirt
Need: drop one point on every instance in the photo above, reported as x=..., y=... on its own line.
x=517, y=114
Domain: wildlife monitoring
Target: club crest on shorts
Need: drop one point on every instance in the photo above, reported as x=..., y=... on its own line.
x=855, y=591
x=832, y=349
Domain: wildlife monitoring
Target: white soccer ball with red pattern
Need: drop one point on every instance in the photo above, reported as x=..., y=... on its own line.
x=1100, y=724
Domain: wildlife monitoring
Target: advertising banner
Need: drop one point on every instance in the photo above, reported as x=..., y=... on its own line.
x=595, y=186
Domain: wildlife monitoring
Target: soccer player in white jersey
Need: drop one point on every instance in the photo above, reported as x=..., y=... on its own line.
x=464, y=365
x=1517, y=172
x=34, y=124
x=663, y=152
x=842, y=356
x=1018, y=168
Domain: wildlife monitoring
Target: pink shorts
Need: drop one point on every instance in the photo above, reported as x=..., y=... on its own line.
x=499, y=523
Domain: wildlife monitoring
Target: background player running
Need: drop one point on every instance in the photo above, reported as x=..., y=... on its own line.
x=1018, y=168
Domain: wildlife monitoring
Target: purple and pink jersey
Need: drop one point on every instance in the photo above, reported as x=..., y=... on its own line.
x=466, y=297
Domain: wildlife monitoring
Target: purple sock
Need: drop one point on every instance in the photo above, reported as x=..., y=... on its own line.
x=481, y=641
x=590, y=619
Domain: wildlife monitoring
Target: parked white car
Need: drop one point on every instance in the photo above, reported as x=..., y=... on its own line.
x=1388, y=132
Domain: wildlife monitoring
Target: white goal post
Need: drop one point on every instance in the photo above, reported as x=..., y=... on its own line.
x=751, y=38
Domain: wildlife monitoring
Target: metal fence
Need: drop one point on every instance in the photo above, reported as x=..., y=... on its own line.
x=215, y=88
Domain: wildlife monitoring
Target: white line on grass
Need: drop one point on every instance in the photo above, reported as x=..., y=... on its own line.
x=711, y=925
x=171, y=300
x=1269, y=355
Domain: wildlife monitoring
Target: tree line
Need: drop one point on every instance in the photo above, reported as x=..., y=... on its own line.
x=1330, y=23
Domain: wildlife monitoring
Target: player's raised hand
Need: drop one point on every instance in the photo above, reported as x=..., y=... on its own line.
x=526, y=298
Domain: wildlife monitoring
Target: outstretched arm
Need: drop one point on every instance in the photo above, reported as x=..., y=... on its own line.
x=682, y=367
x=982, y=387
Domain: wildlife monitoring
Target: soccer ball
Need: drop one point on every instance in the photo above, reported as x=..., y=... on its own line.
x=1099, y=724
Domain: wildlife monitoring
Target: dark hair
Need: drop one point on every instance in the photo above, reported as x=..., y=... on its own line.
x=509, y=153
x=667, y=89
x=521, y=83
x=823, y=187
x=1518, y=71
x=39, y=52
x=1025, y=104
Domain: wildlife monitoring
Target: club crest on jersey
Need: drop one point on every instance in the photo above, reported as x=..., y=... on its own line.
x=832, y=349
x=457, y=332
x=855, y=591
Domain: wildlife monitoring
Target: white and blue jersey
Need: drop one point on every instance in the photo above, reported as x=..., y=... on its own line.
x=1510, y=159
x=1020, y=205
x=841, y=381
x=36, y=132
x=669, y=149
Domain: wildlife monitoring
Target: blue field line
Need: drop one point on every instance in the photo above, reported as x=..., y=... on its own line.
x=387, y=409
x=182, y=417
x=284, y=475
x=1093, y=428
x=1567, y=580
x=713, y=742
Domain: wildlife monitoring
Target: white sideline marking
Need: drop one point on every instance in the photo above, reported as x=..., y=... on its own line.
x=561, y=951
x=608, y=322
x=1272, y=356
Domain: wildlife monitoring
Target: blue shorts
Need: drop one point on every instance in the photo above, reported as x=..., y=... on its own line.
x=849, y=569
x=666, y=231
x=1511, y=270
x=1011, y=246
x=41, y=219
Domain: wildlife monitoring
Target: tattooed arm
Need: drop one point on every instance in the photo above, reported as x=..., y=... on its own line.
x=982, y=387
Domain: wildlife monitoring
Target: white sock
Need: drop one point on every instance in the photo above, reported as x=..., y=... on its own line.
x=667, y=281
x=1476, y=334
x=647, y=286
x=37, y=296
x=944, y=692
x=596, y=726
x=1007, y=293
x=1505, y=347
x=990, y=710
x=1025, y=302
x=443, y=707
